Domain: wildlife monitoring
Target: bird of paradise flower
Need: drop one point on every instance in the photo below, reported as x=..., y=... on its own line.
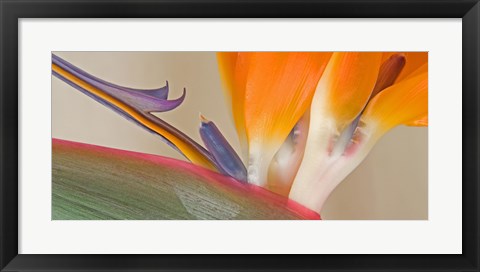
x=305, y=120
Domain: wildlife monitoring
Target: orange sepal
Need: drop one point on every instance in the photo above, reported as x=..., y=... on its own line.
x=403, y=103
x=226, y=65
x=347, y=84
x=234, y=85
x=279, y=87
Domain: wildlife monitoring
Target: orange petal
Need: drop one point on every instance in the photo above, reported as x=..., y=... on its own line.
x=403, y=103
x=420, y=121
x=226, y=65
x=234, y=84
x=347, y=84
x=420, y=70
x=278, y=89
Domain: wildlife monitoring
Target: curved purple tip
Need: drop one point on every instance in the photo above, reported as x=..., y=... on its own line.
x=154, y=100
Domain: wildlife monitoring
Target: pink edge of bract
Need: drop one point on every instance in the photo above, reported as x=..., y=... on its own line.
x=203, y=173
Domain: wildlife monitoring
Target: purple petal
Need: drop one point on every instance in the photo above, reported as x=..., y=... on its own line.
x=227, y=159
x=146, y=100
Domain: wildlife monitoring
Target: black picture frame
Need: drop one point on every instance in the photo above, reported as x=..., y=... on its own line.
x=12, y=10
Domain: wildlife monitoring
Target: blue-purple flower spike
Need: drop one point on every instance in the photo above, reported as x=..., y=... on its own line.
x=227, y=160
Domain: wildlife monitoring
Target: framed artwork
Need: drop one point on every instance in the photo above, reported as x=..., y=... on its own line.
x=239, y=135
x=284, y=187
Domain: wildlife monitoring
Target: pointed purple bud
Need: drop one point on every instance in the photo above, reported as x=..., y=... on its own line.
x=227, y=159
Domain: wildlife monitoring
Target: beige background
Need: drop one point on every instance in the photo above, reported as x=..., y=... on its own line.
x=390, y=184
